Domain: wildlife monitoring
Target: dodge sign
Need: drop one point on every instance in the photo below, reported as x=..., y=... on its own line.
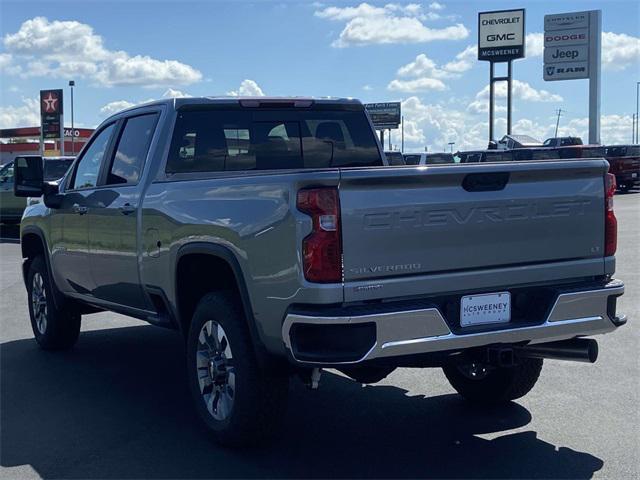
x=501, y=35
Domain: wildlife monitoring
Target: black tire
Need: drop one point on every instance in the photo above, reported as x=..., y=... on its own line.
x=59, y=328
x=624, y=188
x=498, y=385
x=367, y=374
x=259, y=397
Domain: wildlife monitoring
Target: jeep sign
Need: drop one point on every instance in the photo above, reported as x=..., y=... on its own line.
x=501, y=35
x=572, y=53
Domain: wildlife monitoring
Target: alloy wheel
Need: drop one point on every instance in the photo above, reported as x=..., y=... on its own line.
x=216, y=372
x=39, y=303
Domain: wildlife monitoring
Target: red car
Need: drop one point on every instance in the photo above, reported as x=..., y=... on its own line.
x=624, y=161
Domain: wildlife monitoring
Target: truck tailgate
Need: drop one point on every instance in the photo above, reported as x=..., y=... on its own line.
x=449, y=218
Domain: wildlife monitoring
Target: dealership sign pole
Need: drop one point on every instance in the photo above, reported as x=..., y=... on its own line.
x=572, y=51
x=51, y=126
x=500, y=39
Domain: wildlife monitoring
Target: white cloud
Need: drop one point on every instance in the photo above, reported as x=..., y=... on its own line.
x=534, y=45
x=367, y=88
x=521, y=90
x=434, y=126
x=25, y=115
x=392, y=23
x=426, y=74
x=416, y=85
x=5, y=60
x=171, y=93
x=72, y=49
x=115, y=106
x=248, y=88
x=436, y=6
x=619, y=50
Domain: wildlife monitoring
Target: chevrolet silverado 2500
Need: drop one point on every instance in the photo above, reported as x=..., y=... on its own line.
x=271, y=233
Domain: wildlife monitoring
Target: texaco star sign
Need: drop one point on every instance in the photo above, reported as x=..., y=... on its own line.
x=50, y=103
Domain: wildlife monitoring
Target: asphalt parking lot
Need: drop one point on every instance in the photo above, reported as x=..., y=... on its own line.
x=117, y=406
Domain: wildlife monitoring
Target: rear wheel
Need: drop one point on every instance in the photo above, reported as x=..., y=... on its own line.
x=53, y=328
x=485, y=384
x=239, y=402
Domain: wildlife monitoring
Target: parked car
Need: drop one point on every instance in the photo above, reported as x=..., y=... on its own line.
x=562, y=142
x=243, y=224
x=428, y=158
x=624, y=161
x=11, y=207
x=395, y=158
x=510, y=142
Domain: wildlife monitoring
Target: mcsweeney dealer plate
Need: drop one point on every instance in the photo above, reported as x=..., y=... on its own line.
x=485, y=308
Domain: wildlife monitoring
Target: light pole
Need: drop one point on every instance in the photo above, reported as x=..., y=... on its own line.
x=637, y=109
x=451, y=144
x=73, y=137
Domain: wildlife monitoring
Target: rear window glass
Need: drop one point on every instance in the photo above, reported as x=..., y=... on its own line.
x=230, y=140
x=412, y=159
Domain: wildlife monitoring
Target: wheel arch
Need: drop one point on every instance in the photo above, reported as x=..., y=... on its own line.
x=222, y=256
x=33, y=243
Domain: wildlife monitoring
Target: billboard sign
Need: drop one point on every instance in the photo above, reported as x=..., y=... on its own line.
x=501, y=35
x=568, y=41
x=51, y=113
x=384, y=115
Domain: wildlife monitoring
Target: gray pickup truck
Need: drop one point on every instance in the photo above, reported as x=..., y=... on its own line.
x=273, y=236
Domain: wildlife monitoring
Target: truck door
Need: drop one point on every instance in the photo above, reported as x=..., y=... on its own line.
x=69, y=235
x=113, y=246
x=11, y=207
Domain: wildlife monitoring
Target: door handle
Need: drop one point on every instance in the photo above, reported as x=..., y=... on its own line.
x=79, y=209
x=127, y=209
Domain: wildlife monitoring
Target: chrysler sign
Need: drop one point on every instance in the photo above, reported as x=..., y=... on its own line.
x=501, y=35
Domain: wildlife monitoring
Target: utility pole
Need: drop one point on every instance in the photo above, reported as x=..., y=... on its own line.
x=73, y=137
x=637, y=110
x=559, y=112
x=633, y=128
x=451, y=144
x=402, y=141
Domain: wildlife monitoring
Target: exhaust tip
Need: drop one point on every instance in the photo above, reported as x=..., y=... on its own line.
x=592, y=350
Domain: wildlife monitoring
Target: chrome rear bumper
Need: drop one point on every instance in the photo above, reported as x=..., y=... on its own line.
x=418, y=331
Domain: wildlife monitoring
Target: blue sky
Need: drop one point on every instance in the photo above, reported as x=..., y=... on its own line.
x=421, y=53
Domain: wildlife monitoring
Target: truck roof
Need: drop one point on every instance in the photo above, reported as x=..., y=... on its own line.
x=181, y=102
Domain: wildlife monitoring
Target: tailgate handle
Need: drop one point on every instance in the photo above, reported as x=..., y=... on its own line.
x=485, y=182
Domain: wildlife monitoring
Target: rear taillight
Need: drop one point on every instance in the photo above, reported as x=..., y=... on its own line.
x=610, y=222
x=322, y=248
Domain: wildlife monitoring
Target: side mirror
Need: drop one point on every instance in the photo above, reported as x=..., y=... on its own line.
x=28, y=176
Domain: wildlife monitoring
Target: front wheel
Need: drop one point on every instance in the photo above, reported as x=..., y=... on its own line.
x=53, y=328
x=480, y=383
x=239, y=402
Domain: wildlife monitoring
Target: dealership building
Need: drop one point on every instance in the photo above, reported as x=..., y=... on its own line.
x=26, y=141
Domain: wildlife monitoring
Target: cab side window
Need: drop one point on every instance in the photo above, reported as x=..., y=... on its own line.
x=6, y=174
x=132, y=149
x=88, y=169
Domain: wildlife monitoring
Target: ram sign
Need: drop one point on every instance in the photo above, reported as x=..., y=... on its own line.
x=501, y=35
